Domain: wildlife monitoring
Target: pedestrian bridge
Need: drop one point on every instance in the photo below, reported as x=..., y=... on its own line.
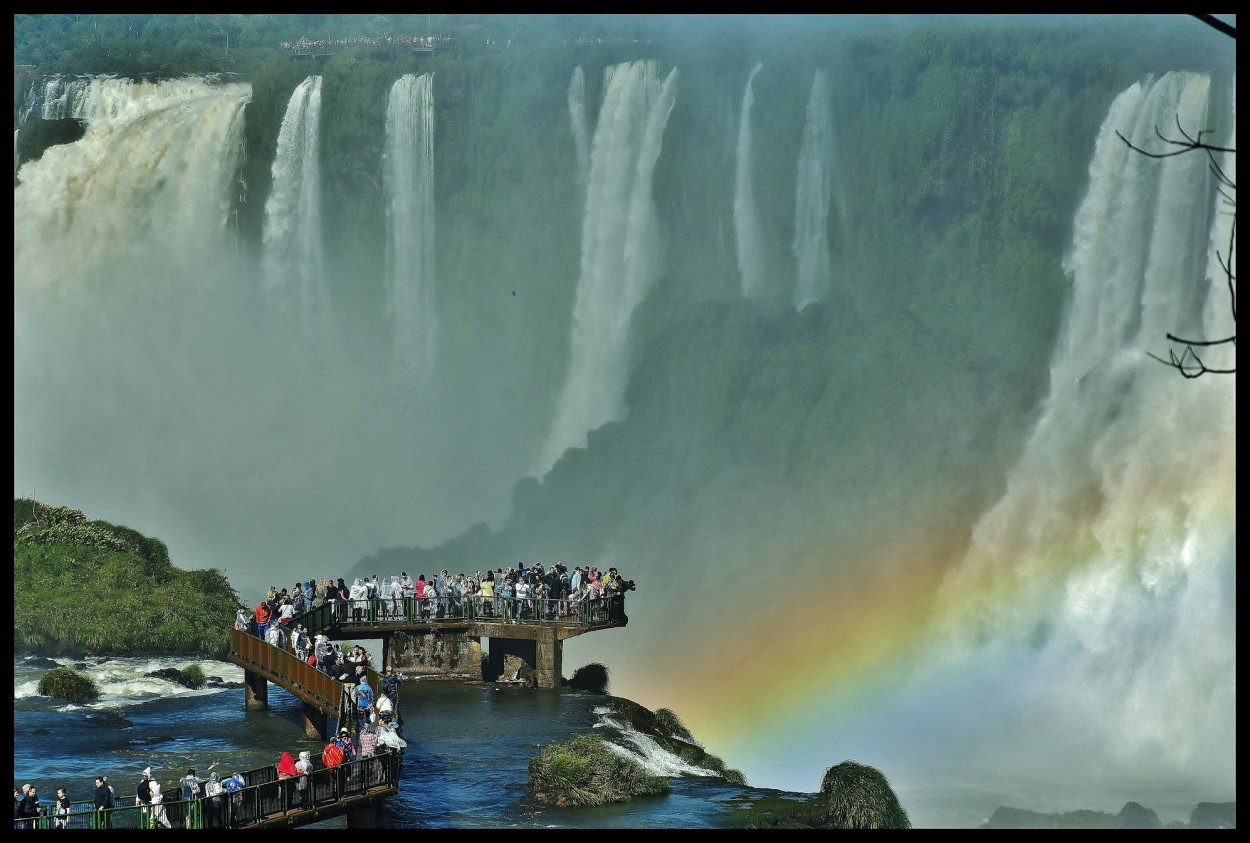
x=355, y=789
x=433, y=638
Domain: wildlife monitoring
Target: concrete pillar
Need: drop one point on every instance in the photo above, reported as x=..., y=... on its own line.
x=439, y=654
x=255, y=691
x=548, y=658
x=314, y=723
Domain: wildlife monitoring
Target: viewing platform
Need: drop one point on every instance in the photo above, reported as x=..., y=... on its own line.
x=431, y=638
x=426, y=44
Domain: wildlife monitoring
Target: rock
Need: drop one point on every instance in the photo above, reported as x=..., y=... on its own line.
x=1136, y=815
x=1214, y=815
x=40, y=661
x=592, y=678
x=854, y=795
x=170, y=674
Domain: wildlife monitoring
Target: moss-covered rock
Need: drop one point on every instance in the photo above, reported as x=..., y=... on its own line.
x=66, y=684
x=855, y=795
x=592, y=678
x=585, y=772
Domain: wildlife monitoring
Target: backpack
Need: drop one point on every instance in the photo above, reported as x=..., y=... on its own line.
x=333, y=755
x=108, y=802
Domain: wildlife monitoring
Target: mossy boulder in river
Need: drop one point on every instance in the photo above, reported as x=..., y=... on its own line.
x=64, y=684
x=858, y=796
x=584, y=772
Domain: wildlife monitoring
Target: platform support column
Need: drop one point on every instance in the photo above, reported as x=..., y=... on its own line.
x=255, y=691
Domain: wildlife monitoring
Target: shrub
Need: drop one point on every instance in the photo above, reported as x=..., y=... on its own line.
x=858, y=796
x=668, y=723
x=591, y=677
x=65, y=684
x=194, y=675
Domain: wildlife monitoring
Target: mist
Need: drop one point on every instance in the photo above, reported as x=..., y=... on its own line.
x=835, y=339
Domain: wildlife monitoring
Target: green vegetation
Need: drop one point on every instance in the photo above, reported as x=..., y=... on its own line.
x=194, y=676
x=668, y=723
x=584, y=772
x=858, y=796
x=590, y=677
x=141, y=603
x=851, y=796
x=65, y=684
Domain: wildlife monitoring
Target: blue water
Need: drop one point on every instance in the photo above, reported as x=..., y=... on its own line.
x=466, y=765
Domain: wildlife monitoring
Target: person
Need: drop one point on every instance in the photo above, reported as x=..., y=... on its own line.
x=364, y=699
x=159, y=817
x=234, y=786
x=190, y=791
x=143, y=796
x=304, y=767
x=286, y=766
x=61, y=820
x=488, y=594
x=29, y=809
x=346, y=744
x=240, y=620
x=103, y=801
x=262, y=615
x=212, y=804
x=390, y=686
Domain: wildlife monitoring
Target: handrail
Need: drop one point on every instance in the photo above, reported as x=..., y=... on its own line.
x=264, y=797
x=382, y=611
x=324, y=690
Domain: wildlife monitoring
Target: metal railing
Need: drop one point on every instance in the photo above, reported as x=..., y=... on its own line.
x=265, y=796
x=381, y=611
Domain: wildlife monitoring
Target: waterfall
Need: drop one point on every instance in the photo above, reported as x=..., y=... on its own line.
x=409, y=186
x=155, y=167
x=620, y=251
x=1110, y=558
x=811, y=203
x=294, y=263
x=746, y=219
x=577, y=116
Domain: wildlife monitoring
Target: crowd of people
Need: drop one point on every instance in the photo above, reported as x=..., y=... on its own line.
x=512, y=594
x=377, y=736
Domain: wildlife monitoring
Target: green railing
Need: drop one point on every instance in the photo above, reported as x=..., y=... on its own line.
x=381, y=611
x=264, y=797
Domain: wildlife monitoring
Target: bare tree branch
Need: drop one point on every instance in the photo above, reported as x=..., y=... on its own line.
x=1188, y=362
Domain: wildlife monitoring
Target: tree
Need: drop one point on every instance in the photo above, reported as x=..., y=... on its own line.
x=1186, y=354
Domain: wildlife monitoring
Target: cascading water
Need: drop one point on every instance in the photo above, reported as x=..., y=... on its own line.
x=577, y=117
x=294, y=261
x=751, y=259
x=620, y=251
x=155, y=165
x=409, y=186
x=811, y=204
x=1108, y=562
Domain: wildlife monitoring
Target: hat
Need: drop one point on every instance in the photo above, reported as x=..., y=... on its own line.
x=147, y=771
x=344, y=731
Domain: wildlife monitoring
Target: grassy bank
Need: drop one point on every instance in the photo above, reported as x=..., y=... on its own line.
x=93, y=587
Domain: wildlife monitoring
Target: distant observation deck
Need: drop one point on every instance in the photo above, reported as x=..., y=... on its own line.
x=377, y=43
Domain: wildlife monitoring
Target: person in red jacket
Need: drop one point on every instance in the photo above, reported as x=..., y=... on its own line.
x=263, y=616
